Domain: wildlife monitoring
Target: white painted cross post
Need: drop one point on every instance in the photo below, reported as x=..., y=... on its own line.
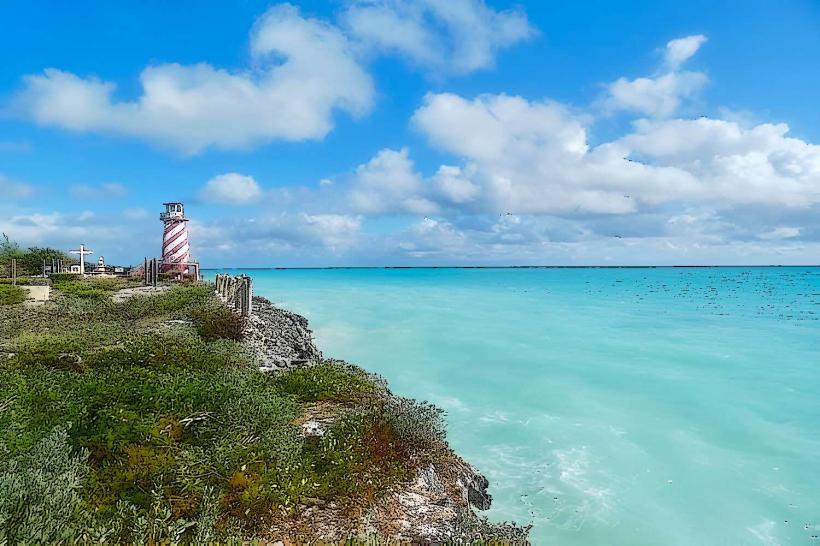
x=82, y=252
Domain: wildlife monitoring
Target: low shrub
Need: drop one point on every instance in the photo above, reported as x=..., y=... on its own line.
x=57, y=278
x=96, y=288
x=180, y=301
x=40, y=499
x=217, y=322
x=50, y=351
x=10, y=294
x=25, y=281
x=330, y=380
x=170, y=351
x=418, y=425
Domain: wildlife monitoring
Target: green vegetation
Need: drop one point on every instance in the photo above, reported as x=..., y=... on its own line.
x=10, y=294
x=29, y=261
x=217, y=322
x=330, y=380
x=90, y=288
x=25, y=281
x=146, y=421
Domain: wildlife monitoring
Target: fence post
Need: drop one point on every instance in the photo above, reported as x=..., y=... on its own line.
x=14, y=271
x=249, y=284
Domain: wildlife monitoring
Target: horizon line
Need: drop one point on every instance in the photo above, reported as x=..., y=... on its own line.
x=274, y=268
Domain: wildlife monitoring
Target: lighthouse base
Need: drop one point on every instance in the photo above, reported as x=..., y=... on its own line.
x=180, y=270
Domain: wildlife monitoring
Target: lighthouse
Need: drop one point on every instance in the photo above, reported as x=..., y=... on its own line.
x=176, y=251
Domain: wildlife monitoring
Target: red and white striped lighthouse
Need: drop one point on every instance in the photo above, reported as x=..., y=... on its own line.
x=176, y=252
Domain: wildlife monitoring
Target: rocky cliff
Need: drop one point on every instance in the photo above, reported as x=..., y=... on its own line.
x=279, y=339
x=437, y=506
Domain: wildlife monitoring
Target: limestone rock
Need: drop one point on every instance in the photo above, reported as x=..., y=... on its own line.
x=279, y=339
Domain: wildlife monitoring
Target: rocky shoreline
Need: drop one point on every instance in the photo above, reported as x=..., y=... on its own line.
x=278, y=339
x=438, y=506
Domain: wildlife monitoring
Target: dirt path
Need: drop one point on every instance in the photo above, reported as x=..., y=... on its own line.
x=126, y=293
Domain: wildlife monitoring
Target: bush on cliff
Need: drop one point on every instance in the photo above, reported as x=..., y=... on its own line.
x=218, y=322
x=328, y=381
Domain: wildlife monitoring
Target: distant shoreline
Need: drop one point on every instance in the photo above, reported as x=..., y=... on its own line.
x=503, y=267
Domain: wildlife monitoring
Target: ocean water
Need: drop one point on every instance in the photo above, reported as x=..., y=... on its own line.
x=606, y=406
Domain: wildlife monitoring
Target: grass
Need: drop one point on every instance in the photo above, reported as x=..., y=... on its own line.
x=171, y=433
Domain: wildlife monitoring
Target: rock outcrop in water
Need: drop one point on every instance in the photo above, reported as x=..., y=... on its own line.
x=438, y=506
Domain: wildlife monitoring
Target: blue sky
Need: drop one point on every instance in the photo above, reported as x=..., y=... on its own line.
x=422, y=132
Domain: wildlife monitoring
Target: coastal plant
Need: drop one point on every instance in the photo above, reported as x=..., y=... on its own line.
x=95, y=288
x=179, y=301
x=59, y=278
x=81, y=289
x=183, y=438
x=10, y=294
x=51, y=351
x=40, y=498
x=25, y=281
x=418, y=425
x=217, y=322
x=329, y=380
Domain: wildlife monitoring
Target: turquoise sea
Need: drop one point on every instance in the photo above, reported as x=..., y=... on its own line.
x=607, y=406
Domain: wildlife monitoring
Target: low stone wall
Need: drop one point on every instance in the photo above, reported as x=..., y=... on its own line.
x=236, y=292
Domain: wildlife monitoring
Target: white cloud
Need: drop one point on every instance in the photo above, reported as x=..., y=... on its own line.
x=680, y=50
x=533, y=158
x=303, y=70
x=456, y=36
x=657, y=97
x=455, y=185
x=728, y=164
x=335, y=231
x=389, y=183
x=231, y=188
x=518, y=156
x=14, y=190
x=276, y=234
x=110, y=190
x=782, y=232
x=661, y=95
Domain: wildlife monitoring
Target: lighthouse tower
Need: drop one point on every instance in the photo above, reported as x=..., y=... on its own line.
x=176, y=252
